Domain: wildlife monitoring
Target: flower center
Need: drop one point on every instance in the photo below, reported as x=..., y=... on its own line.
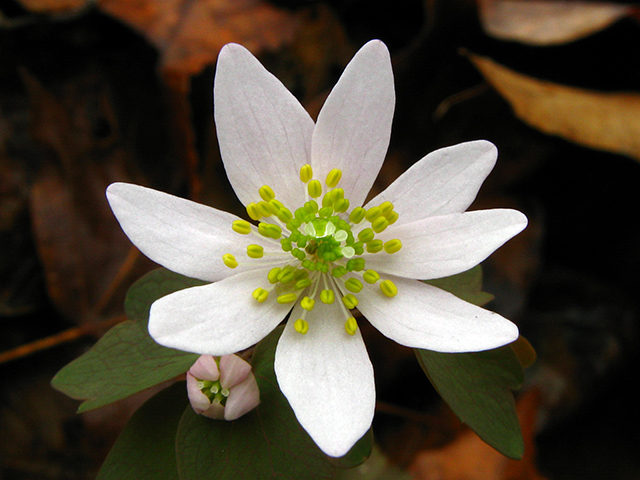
x=326, y=242
x=214, y=391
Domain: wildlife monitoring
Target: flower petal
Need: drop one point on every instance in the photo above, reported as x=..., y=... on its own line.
x=181, y=235
x=327, y=377
x=445, y=245
x=243, y=398
x=205, y=368
x=445, y=181
x=215, y=319
x=199, y=401
x=354, y=125
x=423, y=316
x=263, y=131
x=233, y=370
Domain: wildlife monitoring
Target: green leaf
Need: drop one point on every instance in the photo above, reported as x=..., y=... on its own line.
x=126, y=360
x=265, y=443
x=478, y=388
x=466, y=285
x=145, y=450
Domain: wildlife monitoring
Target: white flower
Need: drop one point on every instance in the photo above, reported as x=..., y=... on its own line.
x=223, y=388
x=318, y=260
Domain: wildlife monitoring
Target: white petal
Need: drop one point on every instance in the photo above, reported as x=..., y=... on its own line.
x=423, y=316
x=441, y=246
x=327, y=377
x=354, y=125
x=242, y=399
x=263, y=131
x=445, y=181
x=216, y=319
x=233, y=370
x=181, y=235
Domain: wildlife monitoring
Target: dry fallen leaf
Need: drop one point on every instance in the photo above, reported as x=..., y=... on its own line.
x=189, y=34
x=469, y=458
x=547, y=22
x=600, y=120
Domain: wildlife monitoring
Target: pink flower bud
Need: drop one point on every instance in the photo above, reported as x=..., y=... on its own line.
x=222, y=387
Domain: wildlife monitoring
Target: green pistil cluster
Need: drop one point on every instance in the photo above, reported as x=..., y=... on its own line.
x=319, y=237
x=214, y=391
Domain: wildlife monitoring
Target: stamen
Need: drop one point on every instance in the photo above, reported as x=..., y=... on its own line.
x=287, y=298
x=327, y=297
x=392, y=246
x=388, y=288
x=241, y=226
x=380, y=224
x=371, y=276
x=350, y=301
x=333, y=177
x=260, y=294
x=353, y=285
x=357, y=215
x=229, y=260
x=351, y=326
x=269, y=230
x=306, y=173
x=373, y=213
x=304, y=283
x=341, y=205
x=264, y=209
x=253, y=212
x=266, y=193
x=301, y=326
x=366, y=235
x=374, y=246
x=255, y=251
x=314, y=188
x=307, y=303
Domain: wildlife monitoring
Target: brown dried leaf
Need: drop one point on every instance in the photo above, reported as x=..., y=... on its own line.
x=53, y=6
x=469, y=458
x=190, y=33
x=547, y=22
x=600, y=120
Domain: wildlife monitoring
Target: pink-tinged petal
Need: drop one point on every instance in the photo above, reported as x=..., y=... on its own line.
x=423, y=316
x=263, y=131
x=327, y=378
x=181, y=235
x=243, y=398
x=199, y=401
x=205, y=368
x=233, y=370
x=441, y=246
x=215, y=411
x=216, y=319
x=354, y=125
x=445, y=181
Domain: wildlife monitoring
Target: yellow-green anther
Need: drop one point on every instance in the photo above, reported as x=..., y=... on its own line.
x=286, y=275
x=392, y=246
x=327, y=200
x=307, y=303
x=371, y=276
x=327, y=297
x=301, y=326
x=263, y=208
x=284, y=214
x=388, y=288
x=311, y=207
x=253, y=212
x=353, y=285
x=392, y=217
x=266, y=193
x=351, y=326
x=341, y=205
x=350, y=301
x=260, y=294
x=373, y=213
x=374, y=246
x=357, y=215
x=385, y=208
x=379, y=224
x=302, y=283
x=229, y=260
x=339, y=271
x=314, y=188
x=366, y=235
x=287, y=298
x=336, y=194
x=255, y=251
x=306, y=173
x=273, y=275
x=241, y=226
x=333, y=177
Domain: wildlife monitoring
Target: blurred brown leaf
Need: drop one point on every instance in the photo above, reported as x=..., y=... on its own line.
x=190, y=33
x=600, y=120
x=547, y=22
x=53, y=6
x=469, y=458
